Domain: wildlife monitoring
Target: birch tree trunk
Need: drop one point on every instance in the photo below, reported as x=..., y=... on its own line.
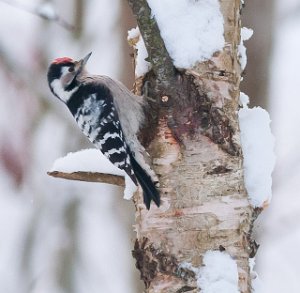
x=193, y=139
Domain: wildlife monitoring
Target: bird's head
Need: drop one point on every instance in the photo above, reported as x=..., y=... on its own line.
x=62, y=76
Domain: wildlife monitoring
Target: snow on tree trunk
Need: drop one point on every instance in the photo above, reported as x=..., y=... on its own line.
x=194, y=142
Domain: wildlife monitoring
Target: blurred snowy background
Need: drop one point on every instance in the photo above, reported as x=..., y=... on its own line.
x=62, y=237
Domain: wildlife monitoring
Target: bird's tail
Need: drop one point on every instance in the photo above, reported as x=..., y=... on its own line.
x=150, y=191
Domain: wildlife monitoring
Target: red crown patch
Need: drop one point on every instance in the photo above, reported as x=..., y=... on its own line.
x=62, y=60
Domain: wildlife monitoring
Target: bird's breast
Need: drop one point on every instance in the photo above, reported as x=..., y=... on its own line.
x=88, y=116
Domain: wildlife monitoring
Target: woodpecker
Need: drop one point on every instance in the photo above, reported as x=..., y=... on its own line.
x=109, y=115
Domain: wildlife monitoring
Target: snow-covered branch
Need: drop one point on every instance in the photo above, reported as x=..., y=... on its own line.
x=159, y=57
x=92, y=166
x=89, y=177
x=45, y=11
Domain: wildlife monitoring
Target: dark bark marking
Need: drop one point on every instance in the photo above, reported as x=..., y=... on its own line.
x=189, y=112
x=222, y=248
x=254, y=246
x=219, y=170
x=146, y=265
x=151, y=261
x=186, y=289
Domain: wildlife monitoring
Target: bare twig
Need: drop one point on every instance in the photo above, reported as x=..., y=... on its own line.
x=158, y=55
x=90, y=177
x=40, y=12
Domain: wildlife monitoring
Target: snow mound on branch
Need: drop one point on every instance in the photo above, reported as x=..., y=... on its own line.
x=192, y=30
x=92, y=160
x=47, y=11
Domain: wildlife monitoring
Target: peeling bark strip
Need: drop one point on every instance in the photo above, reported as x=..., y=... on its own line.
x=193, y=139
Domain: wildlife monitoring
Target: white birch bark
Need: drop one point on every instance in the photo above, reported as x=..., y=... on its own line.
x=204, y=201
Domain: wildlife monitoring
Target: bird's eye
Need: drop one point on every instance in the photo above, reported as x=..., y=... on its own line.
x=71, y=69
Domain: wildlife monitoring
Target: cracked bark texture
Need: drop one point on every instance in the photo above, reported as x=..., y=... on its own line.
x=193, y=139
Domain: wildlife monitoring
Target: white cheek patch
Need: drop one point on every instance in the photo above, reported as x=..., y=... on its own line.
x=60, y=91
x=58, y=85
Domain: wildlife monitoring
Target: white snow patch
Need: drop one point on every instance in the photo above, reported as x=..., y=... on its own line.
x=141, y=66
x=130, y=187
x=255, y=281
x=258, y=149
x=246, y=34
x=92, y=160
x=244, y=99
x=219, y=273
x=193, y=30
x=47, y=11
x=89, y=160
x=133, y=33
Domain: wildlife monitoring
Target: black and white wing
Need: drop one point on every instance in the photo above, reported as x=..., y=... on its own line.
x=98, y=119
x=95, y=113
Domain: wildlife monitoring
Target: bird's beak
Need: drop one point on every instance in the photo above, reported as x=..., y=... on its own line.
x=81, y=63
